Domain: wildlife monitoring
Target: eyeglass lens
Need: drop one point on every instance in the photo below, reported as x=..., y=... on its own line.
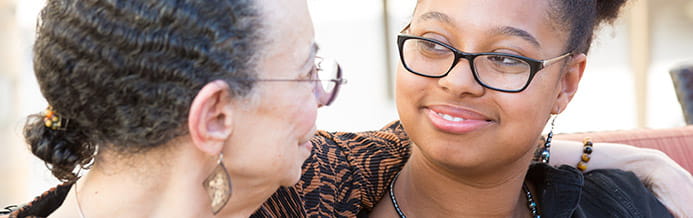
x=329, y=76
x=433, y=59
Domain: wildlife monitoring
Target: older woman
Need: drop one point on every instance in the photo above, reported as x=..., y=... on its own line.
x=184, y=108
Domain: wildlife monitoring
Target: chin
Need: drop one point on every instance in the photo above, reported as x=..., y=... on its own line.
x=456, y=156
x=292, y=177
x=458, y=152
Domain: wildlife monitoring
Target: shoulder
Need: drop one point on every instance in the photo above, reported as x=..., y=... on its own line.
x=346, y=170
x=43, y=205
x=599, y=193
x=619, y=192
x=390, y=142
x=363, y=149
x=391, y=136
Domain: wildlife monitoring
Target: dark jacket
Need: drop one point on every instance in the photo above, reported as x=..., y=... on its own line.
x=599, y=193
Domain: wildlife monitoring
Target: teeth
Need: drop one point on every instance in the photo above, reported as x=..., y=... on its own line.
x=450, y=118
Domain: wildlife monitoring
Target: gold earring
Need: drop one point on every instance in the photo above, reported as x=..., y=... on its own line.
x=218, y=186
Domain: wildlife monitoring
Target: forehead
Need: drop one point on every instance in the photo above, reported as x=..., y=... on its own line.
x=288, y=33
x=527, y=19
x=500, y=10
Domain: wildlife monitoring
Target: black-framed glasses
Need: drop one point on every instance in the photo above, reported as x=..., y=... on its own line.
x=327, y=77
x=496, y=71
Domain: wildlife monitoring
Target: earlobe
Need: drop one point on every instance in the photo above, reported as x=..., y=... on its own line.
x=569, y=82
x=210, y=117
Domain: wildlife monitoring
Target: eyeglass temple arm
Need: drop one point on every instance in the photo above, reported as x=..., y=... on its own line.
x=553, y=60
x=340, y=80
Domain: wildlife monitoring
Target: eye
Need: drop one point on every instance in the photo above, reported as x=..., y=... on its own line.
x=504, y=60
x=428, y=49
x=431, y=46
x=502, y=64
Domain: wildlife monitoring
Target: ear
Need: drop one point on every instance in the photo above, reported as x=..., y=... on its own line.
x=210, y=118
x=569, y=82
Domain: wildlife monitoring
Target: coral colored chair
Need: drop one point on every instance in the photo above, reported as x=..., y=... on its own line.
x=675, y=142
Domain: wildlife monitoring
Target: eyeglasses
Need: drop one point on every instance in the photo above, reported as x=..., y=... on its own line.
x=496, y=71
x=327, y=77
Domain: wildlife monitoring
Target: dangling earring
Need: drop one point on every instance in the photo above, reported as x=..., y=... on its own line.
x=545, y=154
x=218, y=186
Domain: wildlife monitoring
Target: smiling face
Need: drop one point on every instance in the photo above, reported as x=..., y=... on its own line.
x=271, y=132
x=457, y=123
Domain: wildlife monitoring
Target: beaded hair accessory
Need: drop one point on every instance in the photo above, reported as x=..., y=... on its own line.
x=52, y=120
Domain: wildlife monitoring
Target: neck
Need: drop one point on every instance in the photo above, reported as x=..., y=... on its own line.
x=425, y=188
x=171, y=186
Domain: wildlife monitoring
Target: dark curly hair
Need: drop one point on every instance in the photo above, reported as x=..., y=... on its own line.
x=581, y=17
x=124, y=73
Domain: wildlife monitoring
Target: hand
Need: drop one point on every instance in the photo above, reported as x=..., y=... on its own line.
x=670, y=182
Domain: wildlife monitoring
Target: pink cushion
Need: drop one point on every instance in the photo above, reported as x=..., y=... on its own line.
x=675, y=142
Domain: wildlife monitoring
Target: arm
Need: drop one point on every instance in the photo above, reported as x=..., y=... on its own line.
x=672, y=184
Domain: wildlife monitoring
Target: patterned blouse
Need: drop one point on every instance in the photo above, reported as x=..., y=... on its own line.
x=347, y=173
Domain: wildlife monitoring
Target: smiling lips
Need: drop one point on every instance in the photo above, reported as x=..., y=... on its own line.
x=456, y=120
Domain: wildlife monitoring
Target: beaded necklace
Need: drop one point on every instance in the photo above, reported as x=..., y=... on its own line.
x=531, y=204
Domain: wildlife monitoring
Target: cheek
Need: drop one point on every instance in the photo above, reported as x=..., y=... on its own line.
x=515, y=106
x=300, y=112
x=524, y=113
x=408, y=90
x=304, y=118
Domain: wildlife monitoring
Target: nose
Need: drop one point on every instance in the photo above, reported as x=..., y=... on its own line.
x=461, y=81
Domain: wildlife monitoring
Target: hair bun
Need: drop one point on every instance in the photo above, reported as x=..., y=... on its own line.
x=62, y=150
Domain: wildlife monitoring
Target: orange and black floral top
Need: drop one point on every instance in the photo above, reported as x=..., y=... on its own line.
x=347, y=173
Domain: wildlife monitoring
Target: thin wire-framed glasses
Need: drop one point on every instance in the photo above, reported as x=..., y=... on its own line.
x=497, y=71
x=327, y=77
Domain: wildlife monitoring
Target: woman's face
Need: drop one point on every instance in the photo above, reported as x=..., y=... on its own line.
x=270, y=138
x=457, y=123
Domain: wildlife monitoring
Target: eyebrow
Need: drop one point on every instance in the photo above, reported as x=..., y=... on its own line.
x=434, y=15
x=504, y=30
x=512, y=31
